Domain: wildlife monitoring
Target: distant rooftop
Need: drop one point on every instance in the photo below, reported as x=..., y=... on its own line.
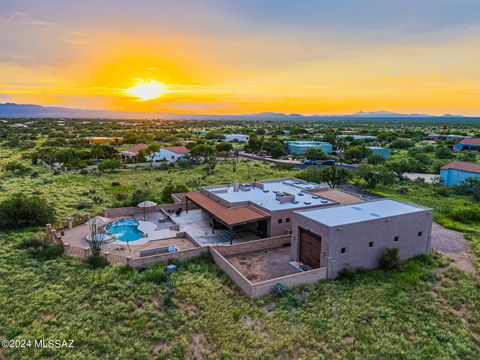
x=267, y=197
x=463, y=166
x=470, y=141
x=348, y=214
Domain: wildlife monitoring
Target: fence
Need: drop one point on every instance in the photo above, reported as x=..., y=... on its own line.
x=254, y=245
x=255, y=290
x=177, y=255
x=134, y=210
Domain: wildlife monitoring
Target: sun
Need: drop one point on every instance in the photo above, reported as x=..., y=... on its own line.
x=146, y=89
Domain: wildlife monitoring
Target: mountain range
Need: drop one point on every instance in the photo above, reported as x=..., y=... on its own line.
x=12, y=110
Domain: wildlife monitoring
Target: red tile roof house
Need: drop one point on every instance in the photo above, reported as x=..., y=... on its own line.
x=169, y=153
x=468, y=144
x=132, y=152
x=456, y=172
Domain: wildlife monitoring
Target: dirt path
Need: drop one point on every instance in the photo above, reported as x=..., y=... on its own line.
x=454, y=245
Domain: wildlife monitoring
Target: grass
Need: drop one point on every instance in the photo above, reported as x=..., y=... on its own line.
x=425, y=311
x=70, y=192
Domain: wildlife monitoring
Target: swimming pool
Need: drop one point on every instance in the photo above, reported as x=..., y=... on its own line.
x=125, y=230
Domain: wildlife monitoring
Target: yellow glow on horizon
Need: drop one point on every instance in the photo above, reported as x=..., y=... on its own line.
x=147, y=89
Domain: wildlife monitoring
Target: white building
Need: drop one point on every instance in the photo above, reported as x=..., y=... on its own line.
x=237, y=137
x=170, y=154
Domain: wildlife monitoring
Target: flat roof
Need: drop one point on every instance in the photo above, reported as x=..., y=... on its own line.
x=372, y=210
x=230, y=216
x=266, y=197
x=339, y=196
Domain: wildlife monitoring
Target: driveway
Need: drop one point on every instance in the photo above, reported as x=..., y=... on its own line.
x=454, y=245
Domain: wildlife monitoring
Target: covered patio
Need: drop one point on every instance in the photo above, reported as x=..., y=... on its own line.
x=218, y=223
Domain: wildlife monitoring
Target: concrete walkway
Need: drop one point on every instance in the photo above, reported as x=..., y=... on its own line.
x=454, y=245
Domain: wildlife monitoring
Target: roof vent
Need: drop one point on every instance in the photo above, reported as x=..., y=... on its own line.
x=307, y=203
x=356, y=208
x=266, y=191
x=315, y=197
x=324, y=201
x=376, y=215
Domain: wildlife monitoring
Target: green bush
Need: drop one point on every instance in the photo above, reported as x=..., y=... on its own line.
x=51, y=252
x=279, y=290
x=390, y=259
x=30, y=243
x=20, y=211
x=466, y=214
x=97, y=262
x=156, y=274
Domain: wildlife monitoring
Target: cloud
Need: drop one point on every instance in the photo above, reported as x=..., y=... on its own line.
x=23, y=19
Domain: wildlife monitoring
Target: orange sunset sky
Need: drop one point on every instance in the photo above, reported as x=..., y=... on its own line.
x=232, y=57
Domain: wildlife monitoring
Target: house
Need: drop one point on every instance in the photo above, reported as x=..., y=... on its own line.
x=132, y=152
x=237, y=137
x=356, y=236
x=359, y=137
x=300, y=147
x=468, y=144
x=456, y=172
x=168, y=153
x=446, y=137
x=377, y=150
x=102, y=140
x=262, y=207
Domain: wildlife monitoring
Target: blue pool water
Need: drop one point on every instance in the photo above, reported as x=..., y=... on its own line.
x=125, y=229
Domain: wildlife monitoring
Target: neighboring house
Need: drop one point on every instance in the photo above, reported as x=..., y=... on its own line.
x=359, y=137
x=237, y=137
x=132, y=152
x=377, y=150
x=18, y=125
x=446, y=137
x=170, y=154
x=300, y=147
x=356, y=236
x=468, y=144
x=102, y=140
x=264, y=207
x=456, y=172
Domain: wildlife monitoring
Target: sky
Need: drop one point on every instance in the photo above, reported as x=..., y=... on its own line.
x=248, y=56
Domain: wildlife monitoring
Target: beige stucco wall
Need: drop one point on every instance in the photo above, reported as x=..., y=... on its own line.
x=356, y=237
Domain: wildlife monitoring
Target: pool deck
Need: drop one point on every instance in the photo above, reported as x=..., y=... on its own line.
x=157, y=236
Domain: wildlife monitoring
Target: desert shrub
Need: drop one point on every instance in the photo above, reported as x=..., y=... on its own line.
x=83, y=204
x=156, y=274
x=163, y=166
x=20, y=210
x=390, y=259
x=30, y=243
x=83, y=172
x=279, y=290
x=466, y=214
x=170, y=189
x=96, y=262
x=183, y=163
x=51, y=252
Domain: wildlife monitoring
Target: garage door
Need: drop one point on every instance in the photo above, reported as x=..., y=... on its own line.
x=310, y=248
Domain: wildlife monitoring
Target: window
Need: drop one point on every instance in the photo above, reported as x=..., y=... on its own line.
x=287, y=220
x=370, y=244
x=343, y=250
x=173, y=157
x=420, y=233
x=280, y=221
x=396, y=238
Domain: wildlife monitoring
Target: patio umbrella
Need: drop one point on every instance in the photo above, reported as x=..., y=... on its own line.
x=144, y=205
x=98, y=220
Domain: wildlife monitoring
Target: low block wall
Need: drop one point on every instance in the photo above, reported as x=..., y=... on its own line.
x=178, y=255
x=233, y=273
x=254, y=245
x=255, y=290
x=290, y=281
x=134, y=210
